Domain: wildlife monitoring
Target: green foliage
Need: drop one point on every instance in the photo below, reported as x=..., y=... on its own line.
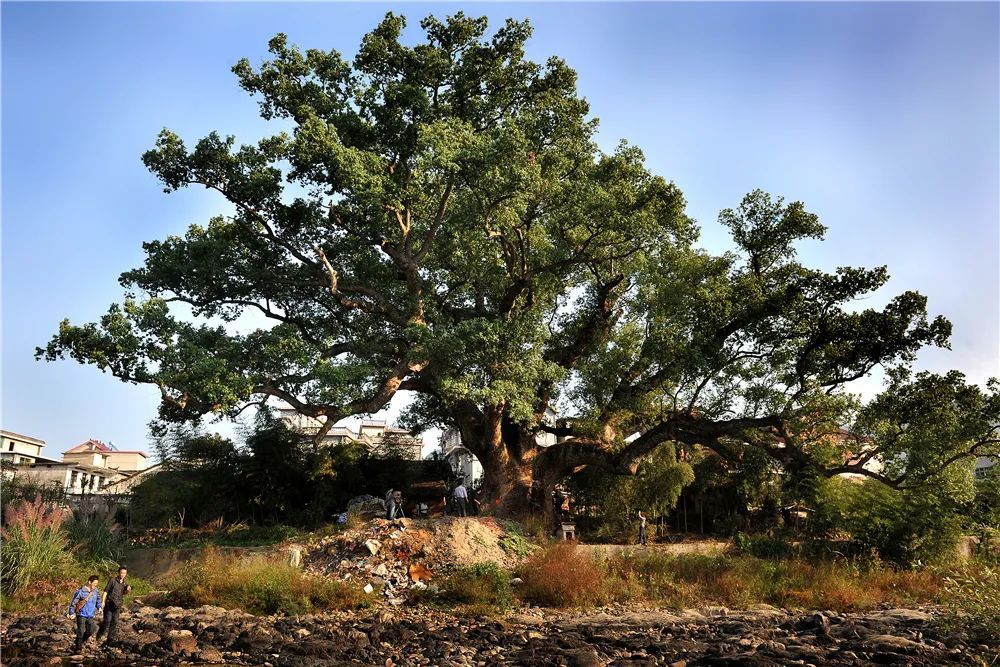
x=972, y=598
x=762, y=546
x=23, y=487
x=480, y=585
x=615, y=499
x=515, y=544
x=920, y=525
x=258, y=586
x=278, y=477
x=439, y=218
x=94, y=534
x=34, y=546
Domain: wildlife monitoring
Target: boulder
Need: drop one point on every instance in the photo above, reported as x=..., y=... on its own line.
x=180, y=641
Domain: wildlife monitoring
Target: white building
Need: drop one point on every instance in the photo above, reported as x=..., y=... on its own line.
x=90, y=467
x=984, y=464
x=376, y=435
x=464, y=462
x=461, y=460
x=17, y=449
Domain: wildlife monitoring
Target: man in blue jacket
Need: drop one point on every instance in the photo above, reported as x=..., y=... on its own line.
x=85, y=604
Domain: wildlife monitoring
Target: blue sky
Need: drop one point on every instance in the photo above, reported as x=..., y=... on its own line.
x=883, y=118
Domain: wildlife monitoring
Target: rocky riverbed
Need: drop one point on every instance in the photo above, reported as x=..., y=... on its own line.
x=530, y=637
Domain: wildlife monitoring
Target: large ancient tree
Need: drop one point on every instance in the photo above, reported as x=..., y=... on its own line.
x=440, y=220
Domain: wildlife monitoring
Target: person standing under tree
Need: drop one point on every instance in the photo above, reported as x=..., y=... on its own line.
x=642, y=528
x=85, y=604
x=461, y=499
x=114, y=594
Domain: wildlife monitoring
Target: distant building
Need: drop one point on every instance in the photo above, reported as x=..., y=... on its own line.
x=17, y=449
x=462, y=461
x=984, y=464
x=89, y=468
x=377, y=436
x=96, y=453
x=465, y=464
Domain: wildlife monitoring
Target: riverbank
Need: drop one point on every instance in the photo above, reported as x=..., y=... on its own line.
x=616, y=636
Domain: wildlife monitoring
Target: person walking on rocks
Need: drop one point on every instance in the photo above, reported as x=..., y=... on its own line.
x=114, y=594
x=461, y=499
x=85, y=604
x=642, y=528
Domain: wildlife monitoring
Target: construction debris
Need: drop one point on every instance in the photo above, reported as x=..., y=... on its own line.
x=392, y=557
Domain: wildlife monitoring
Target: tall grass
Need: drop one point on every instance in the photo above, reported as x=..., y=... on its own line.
x=564, y=575
x=95, y=537
x=257, y=585
x=34, y=546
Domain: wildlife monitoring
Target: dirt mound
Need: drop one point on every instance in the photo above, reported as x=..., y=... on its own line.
x=403, y=553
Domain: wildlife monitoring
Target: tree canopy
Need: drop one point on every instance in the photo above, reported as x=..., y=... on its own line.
x=441, y=220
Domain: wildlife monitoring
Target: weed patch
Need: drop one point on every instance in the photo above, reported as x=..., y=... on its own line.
x=483, y=585
x=564, y=576
x=259, y=586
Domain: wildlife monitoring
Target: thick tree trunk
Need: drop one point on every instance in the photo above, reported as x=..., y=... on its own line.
x=513, y=489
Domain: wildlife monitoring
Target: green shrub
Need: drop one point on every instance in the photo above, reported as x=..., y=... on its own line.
x=34, y=546
x=258, y=586
x=763, y=546
x=972, y=598
x=909, y=527
x=515, y=544
x=482, y=584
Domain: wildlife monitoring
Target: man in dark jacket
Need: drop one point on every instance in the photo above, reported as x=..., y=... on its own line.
x=114, y=594
x=85, y=604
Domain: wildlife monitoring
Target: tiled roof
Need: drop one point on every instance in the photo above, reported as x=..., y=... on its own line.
x=89, y=446
x=98, y=446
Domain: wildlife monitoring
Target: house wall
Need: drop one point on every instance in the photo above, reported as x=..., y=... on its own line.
x=16, y=458
x=126, y=460
x=99, y=459
x=20, y=447
x=70, y=477
x=46, y=475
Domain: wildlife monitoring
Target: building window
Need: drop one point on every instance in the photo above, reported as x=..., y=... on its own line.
x=72, y=478
x=10, y=446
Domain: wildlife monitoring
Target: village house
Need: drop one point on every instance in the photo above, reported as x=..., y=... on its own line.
x=984, y=465
x=91, y=467
x=377, y=436
x=20, y=449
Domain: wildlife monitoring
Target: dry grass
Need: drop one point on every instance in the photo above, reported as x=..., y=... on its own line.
x=563, y=576
x=259, y=586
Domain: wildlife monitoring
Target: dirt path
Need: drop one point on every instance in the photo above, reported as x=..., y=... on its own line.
x=705, y=547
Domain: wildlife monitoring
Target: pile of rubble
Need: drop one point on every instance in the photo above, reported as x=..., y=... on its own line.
x=391, y=557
